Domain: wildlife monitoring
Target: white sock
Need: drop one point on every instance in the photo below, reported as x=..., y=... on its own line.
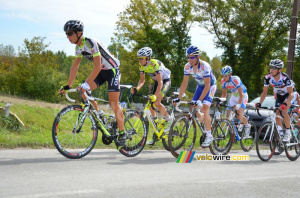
x=208, y=133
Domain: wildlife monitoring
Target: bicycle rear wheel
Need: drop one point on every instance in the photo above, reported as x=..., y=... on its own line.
x=67, y=139
x=182, y=135
x=292, y=149
x=248, y=143
x=265, y=145
x=137, y=131
x=223, y=137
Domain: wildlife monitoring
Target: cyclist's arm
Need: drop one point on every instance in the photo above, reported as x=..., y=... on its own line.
x=263, y=94
x=159, y=84
x=74, y=70
x=206, y=88
x=224, y=93
x=240, y=90
x=141, y=81
x=96, y=70
x=291, y=94
x=183, y=86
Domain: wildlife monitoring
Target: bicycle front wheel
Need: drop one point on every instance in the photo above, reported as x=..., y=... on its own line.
x=137, y=131
x=292, y=149
x=182, y=135
x=265, y=141
x=68, y=139
x=223, y=136
x=247, y=143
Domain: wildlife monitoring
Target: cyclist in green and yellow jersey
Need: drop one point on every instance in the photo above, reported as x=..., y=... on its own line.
x=161, y=75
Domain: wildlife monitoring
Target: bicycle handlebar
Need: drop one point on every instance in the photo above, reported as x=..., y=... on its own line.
x=92, y=98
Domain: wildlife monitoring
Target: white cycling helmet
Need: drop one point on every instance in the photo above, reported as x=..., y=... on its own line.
x=145, y=51
x=277, y=63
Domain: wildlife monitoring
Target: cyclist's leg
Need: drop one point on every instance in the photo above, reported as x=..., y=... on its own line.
x=278, y=102
x=164, y=90
x=207, y=119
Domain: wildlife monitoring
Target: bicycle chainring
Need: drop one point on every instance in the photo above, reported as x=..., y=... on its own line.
x=106, y=140
x=202, y=138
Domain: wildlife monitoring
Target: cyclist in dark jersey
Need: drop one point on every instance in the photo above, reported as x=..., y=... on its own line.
x=106, y=69
x=283, y=92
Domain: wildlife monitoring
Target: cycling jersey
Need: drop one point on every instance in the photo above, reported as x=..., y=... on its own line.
x=91, y=48
x=280, y=87
x=155, y=67
x=233, y=84
x=204, y=70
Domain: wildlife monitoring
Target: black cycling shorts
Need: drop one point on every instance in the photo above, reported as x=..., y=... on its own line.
x=112, y=76
x=280, y=99
x=165, y=88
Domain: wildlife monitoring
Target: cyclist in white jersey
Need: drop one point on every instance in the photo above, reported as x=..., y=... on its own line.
x=106, y=68
x=206, y=89
x=239, y=97
x=283, y=92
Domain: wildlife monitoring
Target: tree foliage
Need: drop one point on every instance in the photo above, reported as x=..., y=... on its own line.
x=251, y=32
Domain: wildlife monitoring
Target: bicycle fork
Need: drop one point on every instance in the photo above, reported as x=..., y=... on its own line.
x=81, y=117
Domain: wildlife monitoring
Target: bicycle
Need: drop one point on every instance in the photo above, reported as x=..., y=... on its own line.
x=246, y=143
x=158, y=126
x=75, y=129
x=268, y=138
x=183, y=131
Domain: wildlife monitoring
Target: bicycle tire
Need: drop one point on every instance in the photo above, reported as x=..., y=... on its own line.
x=182, y=135
x=248, y=143
x=137, y=131
x=223, y=136
x=265, y=146
x=69, y=143
x=293, y=152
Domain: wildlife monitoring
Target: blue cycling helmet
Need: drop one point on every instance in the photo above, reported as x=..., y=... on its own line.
x=193, y=50
x=226, y=70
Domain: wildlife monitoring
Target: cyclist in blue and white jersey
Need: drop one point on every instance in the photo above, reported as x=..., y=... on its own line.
x=106, y=69
x=205, y=91
x=239, y=97
x=295, y=101
x=283, y=92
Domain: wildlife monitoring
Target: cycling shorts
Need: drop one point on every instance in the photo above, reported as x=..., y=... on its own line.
x=112, y=76
x=209, y=96
x=280, y=99
x=165, y=88
x=235, y=100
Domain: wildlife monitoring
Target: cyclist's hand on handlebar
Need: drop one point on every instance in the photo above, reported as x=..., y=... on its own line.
x=133, y=90
x=283, y=106
x=197, y=103
x=152, y=98
x=257, y=105
x=84, y=87
x=175, y=100
x=63, y=88
x=237, y=107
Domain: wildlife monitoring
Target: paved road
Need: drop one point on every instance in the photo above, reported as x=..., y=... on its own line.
x=106, y=173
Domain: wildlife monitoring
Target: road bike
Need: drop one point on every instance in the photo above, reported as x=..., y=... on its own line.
x=75, y=129
x=184, y=129
x=268, y=138
x=238, y=129
x=160, y=130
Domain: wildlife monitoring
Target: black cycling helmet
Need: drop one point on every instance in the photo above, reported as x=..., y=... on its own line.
x=74, y=26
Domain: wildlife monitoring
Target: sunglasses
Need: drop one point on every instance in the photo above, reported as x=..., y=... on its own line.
x=69, y=33
x=273, y=67
x=226, y=75
x=142, y=58
x=192, y=57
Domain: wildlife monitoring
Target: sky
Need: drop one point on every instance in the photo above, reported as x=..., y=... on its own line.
x=25, y=19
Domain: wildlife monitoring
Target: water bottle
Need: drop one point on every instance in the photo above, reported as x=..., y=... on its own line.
x=218, y=115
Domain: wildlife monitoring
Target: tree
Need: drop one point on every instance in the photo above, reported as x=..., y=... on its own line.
x=251, y=32
x=162, y=25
